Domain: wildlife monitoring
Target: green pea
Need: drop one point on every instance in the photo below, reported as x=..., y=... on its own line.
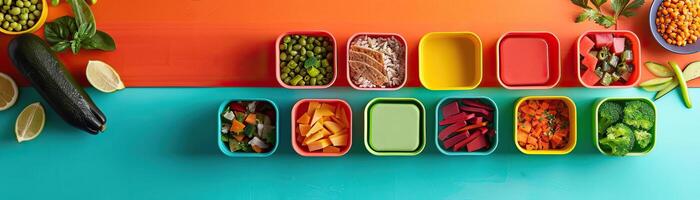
x=5, y=8
x=25, y=10
x=287, y=80
x=19, y=4
x=295, y=36
x=14, y=25
x=303, y=58
x=318, y=57
x=292, y=64
x=317, y=50
x=9, y=18
x=283, y=76
x=293, y=53
x=19, y=27
x=39, y=6
x=312, y=81
x=303, y=37
x=15, y=11
x=323, y=49
x=296, y=58
x=309, y=54
x=303, y=51
x=322, y=71
x=302, y=41
x=283, y=46
x=309, y=47
x=324, y=63
x=297, y=47
x=319, y=77
x=292, y=74
x=286, y=39
x=307, y=78
x=297, y=70
x=286, y=70
x=329, y=56
x=296, y=80
x=24, y=16
x=32, y=8
x=294, y=41
x=6, y=25
x=37, y=13
x=283, y=56
x=2, y=18
x=32, y=17
x=303, y=73
x=23, y=22
x=302, y=83
x=16, y=18
x=35, y=1
x=325, y=43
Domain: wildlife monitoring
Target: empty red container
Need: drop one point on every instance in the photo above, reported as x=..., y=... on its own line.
x=528, y=60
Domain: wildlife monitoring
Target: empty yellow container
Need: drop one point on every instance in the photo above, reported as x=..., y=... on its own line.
x=450, y=60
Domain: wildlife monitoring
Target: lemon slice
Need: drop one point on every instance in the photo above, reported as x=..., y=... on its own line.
x=30, y=122
x=103, y=77
x=8, y=92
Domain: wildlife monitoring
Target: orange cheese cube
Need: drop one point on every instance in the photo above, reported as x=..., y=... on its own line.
x=339, y=140
x=315, y=128
x=313, y=138
x=304, y=119
x=312, y=107
x=331, y=149
x=304, y=129
x=333, y=127
x=320, y=144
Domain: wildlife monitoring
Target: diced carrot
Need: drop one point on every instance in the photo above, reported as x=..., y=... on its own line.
x=304, y=119
x=531, y=140
x=313, y=138
x=237, y=126
x=239, y=137
x=250, y=119
x=320, y=144
x=315, y=128
x=339, y=140
x=257, y=149
x=313, y=105
x=522, y=137
x=333, y=127
x=304, y=129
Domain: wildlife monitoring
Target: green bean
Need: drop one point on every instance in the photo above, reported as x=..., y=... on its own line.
x=296, y=80
x=312, y=81
x=307, y=78
x=286, y=80
x=297, y=70
x=302, y=83
x=291, y=73
x=292, y=64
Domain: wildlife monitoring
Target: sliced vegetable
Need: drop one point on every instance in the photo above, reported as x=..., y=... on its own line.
x=247, y=127
x=658, y=87
x=326, y=131
x=656, y=81
x=667, y=89
x=683, y=84
x=692, y=71
x=465, y=125
x=659, y=70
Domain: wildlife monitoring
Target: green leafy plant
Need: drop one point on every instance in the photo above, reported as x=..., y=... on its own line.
x=77, y=32
x=619, y=7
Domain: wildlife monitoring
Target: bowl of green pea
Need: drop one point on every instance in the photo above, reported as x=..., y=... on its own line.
x=22, y=16
x=306, y=59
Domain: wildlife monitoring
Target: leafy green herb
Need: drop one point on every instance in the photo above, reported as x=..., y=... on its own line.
x=595, y=13
x=77, y=32
x=311, y=62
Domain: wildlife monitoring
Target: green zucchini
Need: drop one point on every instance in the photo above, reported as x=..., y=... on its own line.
x=35, y=60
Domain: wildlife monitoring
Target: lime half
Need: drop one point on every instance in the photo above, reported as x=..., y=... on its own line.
x=30, y=122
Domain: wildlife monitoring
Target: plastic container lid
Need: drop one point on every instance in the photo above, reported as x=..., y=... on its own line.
x=394, y=127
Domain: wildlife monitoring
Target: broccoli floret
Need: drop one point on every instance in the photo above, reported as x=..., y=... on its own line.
x=619, y=139
x=642, y=137
x=609, y=113
x=639, y=114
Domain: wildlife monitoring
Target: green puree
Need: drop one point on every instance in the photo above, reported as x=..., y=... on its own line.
x=394, y=127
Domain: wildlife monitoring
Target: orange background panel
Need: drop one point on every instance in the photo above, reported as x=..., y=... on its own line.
x=230, y=43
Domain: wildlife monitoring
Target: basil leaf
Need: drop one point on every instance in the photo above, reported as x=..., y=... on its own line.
x=60, y=46
x=581, y=3
x=83, y=15
x=75, y=46
x=60, y=29
x=101, y=41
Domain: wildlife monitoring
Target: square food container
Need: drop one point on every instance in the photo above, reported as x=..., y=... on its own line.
x=528, y=60
x=394, y=127
x=300, y=108
x=224, y=149
x=450, y=60
x=572, y=124
x=636, y=60
x=634, y=152
x=310, y=33
x=400, y=38
x=494, y=126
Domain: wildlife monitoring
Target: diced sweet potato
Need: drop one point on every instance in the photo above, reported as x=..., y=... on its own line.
x=340, y=114
x=331, y=149
x=315, y=128
x=327, y=109
x=339, y=140
x=603, y=40
x=586, y=45
x=320, y=144
x=477, y=144
x=446, y=132
x=456, y=118
x=304, y=119
x=313, y=138
x=450, y=109
x=304, y=129
x=333, y=127
x=618, y=45
x=313, y=105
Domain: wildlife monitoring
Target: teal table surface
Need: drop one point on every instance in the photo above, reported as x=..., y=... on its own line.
x=161, y=144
